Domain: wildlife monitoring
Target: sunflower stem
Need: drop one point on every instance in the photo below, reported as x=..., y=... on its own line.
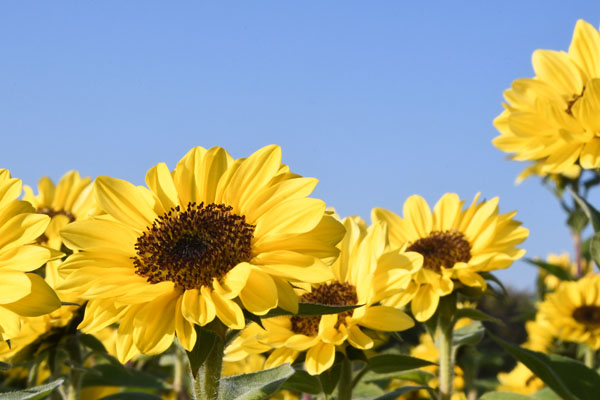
x=345, y=383
x=208, y=378
x=447, y=309
x=589, y=357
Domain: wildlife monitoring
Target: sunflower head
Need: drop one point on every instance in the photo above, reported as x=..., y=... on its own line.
x=455, y=243
x=365, y=275
x=202, y=242
x=572, y=312
x=552, y=119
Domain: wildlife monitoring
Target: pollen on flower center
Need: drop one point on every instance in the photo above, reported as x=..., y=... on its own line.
x=333, y=294
x=442, y=249
x=588, y=316
x=194, y=246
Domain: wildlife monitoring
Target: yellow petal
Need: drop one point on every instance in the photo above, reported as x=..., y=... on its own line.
x=319, y=358
x=446, y=212
x=301, y=342
x=424, y=303
x=22, y=229
x=228, y=312
x=13, y=208
x=260, y=293
x=91, y=233
x=418, y=216
x=10, y=324
x=154, y=325
x=124, y=201
x=14, y=285
x=291, y=216
x=25, y=258
x=584, y=48
x=288, y=299
x=160, y=181
x=198, y=307
x=358, y=339
x=42, y=299
x=293, y=266
x=186, y=334
x=281, y=356
x=585, y=109
x=387, y=319
x=555, y=67
x=397, y=232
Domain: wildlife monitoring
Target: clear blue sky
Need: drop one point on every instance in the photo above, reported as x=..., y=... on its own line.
x=379, y=100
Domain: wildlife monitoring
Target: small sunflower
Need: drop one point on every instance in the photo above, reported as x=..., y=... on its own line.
x=553, y=118
x=365, y=274
x=540, y=334
x=562, y=260
x=573, y=311
x=456, y=245
x=212, y=237
x=21, y=293
x=519, y=380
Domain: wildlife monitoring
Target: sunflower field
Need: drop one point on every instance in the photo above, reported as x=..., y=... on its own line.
x=222, y=278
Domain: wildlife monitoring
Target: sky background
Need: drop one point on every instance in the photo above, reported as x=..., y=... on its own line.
x=379, y=100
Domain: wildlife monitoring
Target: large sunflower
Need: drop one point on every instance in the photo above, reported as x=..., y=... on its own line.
x=211, y=238
x=365, y=274
x=456, y=245
x=21, y=293
x=554, y=118
x=572, y=312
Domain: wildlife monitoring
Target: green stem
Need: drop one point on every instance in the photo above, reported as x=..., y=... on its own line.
x=445, y=328
x=207, y=381
x=590, y=357
x=345, y=383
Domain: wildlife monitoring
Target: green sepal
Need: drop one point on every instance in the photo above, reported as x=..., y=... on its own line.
x=205, y=341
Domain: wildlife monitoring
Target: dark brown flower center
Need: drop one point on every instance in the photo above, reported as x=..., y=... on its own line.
x=333, y=294
x=192, y=247
x=442, y=249
x=588, y=316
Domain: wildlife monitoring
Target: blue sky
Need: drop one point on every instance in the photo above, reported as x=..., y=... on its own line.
x=379, y=100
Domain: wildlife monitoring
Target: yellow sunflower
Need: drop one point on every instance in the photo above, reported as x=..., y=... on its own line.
x=562, y=260
x=553, y=118
x=365, y=274
x=21, y=293
x=573, y=311
x=540, y=334
x=519, y=380
x=456, y=245
x=212, y=237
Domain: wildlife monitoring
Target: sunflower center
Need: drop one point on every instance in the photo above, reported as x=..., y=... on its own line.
x=442, y=249
x=52, y=213
x=332, y=294
x=588, y=316
x=191, y=247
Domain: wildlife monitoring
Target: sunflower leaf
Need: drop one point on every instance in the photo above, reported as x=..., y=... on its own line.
x=568, y=378
x=577, y=220
x=589, y=210
x=469, y=335
x=504, y=396
x=475, y=314
x=132, y=396
x=545, y=394
x=4, y=366
x=394, y=394
x=311, y=309
x=255, y=385
x=329, y=378
x=488, y=276
x=34, y=393
x=553, y=269
x=111, y=375
x=303, y=382
x=205, y=341
x=386, y=363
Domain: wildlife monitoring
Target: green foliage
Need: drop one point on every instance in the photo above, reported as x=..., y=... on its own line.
x=34, y=393
x=553, y=269
x=256, y=385
x=386, y=363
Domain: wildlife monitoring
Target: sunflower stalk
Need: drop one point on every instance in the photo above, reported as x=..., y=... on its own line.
x=345, y=383
x=208, y=377
x=589, y=357
x=445, y=328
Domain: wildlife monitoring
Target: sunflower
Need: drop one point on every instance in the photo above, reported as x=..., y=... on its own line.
x=561, y=260
x=456, y=245
x=519, y=380
x=553, y=118
x=573, y=311
x=21, y=293
x=365, y=274
x=207, y=240
x=71, y=199
x=540, y=334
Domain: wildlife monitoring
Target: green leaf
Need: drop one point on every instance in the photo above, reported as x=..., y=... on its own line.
x=469, y=335
x=112, y=375
x=329, y=378
x=132, y=396
x=205, y=341
x=311, y=309
x=488, y=276
x=256, y=385
x=355, y=354
x=417, y=376
x=386, y=363
x=34, y=393
x=303, y=382
x=399, y=392
x=570, y=379
x=545, y=394
x=91, y=342
x=595, y=248
x=4, y=366
x=577, y=220
x=553, y=269
x=592, y=214
x=475, y=314
x=504, y=396
x=366, y=391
